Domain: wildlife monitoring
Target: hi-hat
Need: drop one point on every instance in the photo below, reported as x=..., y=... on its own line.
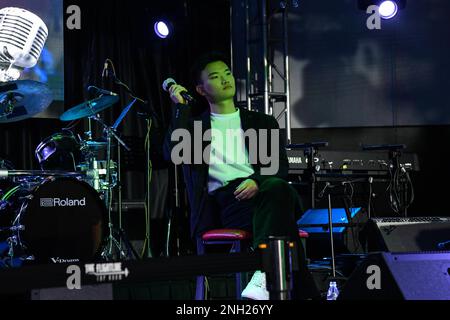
x=89, y=108
x=23, y=99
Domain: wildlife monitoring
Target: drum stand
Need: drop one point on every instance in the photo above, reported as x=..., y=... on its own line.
x=107, y=252
x=11, y=242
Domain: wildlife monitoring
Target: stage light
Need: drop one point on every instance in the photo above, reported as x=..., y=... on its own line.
x=162, y=29
x=388, y=9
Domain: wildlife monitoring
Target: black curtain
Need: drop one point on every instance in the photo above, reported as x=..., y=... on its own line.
x=123, y=32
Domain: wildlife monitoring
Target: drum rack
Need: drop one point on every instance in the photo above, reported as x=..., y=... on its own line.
x=38, y=173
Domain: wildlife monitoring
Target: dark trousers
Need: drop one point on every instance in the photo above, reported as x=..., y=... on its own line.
x=272, y=212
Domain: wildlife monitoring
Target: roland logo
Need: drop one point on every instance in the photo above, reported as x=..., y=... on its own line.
x=58, y=202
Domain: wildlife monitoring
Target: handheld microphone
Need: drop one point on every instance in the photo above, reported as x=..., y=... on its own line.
x=102, y=91
x=169, y=82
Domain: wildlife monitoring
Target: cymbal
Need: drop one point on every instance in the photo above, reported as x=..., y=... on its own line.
x=89, y=108
x=23, y=99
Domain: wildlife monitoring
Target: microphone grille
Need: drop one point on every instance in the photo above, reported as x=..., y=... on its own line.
x=23, y=34
x=167, y=83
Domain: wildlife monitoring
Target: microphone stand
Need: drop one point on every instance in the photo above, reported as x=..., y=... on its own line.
x=310, y=151
x=147, y=242
x=330, y=226
x=149, y=167
x=175, y=210
x=327, y=190
x=147, y=250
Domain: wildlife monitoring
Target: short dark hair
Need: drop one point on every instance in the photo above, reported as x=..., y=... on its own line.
x=205, y=59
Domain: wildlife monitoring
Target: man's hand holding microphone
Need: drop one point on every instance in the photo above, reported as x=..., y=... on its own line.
x=178, y=93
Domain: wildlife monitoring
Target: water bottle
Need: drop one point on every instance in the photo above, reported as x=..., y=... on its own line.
x=333, y=291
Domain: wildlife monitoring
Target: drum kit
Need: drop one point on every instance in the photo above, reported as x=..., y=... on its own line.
x=61, y=213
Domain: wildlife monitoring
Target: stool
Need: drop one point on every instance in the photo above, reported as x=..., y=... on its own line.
x=303, y=236
x=234, y=237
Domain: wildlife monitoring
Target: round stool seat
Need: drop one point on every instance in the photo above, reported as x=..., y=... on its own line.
x=303, y=234
x=226, y=234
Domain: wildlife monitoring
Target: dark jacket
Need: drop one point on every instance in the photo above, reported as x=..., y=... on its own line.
x=196, y=175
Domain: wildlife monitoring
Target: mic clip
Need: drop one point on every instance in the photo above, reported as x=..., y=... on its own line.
x=102, y=91
x=327, y=185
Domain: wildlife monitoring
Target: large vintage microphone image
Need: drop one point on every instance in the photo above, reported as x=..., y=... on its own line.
x=22, y=38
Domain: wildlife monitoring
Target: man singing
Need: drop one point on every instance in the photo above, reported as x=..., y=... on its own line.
x=231, y=180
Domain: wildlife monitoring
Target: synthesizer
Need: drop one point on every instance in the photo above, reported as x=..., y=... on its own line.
x=349, y=162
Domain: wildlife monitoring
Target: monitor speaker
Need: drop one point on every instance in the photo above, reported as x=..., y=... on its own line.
x=413, y=234
x=400, y=276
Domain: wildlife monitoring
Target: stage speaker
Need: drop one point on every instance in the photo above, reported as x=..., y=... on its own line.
x=409, y=234
x=347, y=227
x=400, y=276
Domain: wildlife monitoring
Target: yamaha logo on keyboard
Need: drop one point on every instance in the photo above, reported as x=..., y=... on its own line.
x=300, y=160
x=295, y=160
